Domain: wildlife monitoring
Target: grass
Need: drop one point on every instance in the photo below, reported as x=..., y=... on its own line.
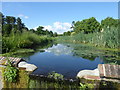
x=23, y=40
x=108, y=38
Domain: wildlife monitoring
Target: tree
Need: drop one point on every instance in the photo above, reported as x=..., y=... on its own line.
x=108, y=22
x=8, y=18
x=2, y=19
x=73, y=22
x=68, y=33
x=40, y=30
x=47, y=32
x=55, y=34
x=51, y=33
x=6, y=29
x=19, y=24
x=87, y=26
x=32, y=30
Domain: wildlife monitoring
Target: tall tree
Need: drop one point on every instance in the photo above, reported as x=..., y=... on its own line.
x=6, y=29
x=12, y=21
x=8, y=18
x=87, y=26
x=2, y=19
x=108, y=22
x=19, y=24
x=73, y=22
x=40, y=30
x=55, y=34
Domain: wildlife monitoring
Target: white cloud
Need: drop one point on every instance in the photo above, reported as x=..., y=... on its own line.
x=26, y=17
x=23, y=16
x=58, y=27
x=35, y=28
x=58, y=51
x=48, y=27
x=20, y=15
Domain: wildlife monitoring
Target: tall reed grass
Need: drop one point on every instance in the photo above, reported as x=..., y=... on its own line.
x=108, y=38
x=23, y=40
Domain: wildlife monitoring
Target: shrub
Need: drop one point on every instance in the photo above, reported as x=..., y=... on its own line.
x=22, y=40
x=10, y=73
x=55, y=75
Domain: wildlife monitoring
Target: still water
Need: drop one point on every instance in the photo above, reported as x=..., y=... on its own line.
x=64, y=59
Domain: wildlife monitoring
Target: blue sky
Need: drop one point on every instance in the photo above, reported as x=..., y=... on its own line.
x=57, y=16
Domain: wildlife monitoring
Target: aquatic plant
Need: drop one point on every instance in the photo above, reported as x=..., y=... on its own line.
x=86, y=86
x=56, y=76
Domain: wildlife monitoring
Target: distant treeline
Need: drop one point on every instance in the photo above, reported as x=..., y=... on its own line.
x=104, y=34
x=91, y=25
x=11, y=24
x=15, y=35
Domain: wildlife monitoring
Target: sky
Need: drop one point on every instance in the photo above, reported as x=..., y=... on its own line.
x=58, y=16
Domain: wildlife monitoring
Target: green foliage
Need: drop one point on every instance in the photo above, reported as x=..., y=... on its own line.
x=55, y=34
x=56, y=76
x=6, y=29
x=86, y=86
x=87, y=26
x=10, y=73
x=19, y=24
x=40, y=31
x=22, y=40
x=68, y=33
x=108, y=38
x=109, y=22
x=11, y=24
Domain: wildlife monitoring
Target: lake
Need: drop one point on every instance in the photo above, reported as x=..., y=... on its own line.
x=68, y=59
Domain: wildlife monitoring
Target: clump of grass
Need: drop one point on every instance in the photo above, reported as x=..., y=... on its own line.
x=22, y=40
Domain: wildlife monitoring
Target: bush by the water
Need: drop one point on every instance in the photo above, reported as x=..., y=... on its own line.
x=22, y=40
x=10, y=73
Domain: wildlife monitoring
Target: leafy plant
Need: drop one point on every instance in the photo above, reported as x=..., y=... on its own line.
x=86, y=86
x=10, y=73
x=56, y=76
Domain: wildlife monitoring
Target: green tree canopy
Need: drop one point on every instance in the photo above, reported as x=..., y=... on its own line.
x=87, y=26
x=109, y=22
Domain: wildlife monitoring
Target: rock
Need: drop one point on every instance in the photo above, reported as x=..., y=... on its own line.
x=29, y=67
x=85, y=73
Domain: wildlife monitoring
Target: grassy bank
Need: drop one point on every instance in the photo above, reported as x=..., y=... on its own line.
x=108, y=38
x=23, y=40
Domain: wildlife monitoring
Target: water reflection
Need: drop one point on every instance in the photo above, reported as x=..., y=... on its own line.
x=63, y=59
x=60, y=49
x=89, y=52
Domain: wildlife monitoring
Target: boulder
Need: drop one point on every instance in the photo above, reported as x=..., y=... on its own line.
x=29, y=67
x=87, y=73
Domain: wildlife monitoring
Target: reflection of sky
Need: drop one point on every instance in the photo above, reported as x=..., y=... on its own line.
x=60, y=49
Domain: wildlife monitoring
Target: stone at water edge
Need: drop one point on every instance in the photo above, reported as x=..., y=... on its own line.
x=84, y=73
x=29, y=67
